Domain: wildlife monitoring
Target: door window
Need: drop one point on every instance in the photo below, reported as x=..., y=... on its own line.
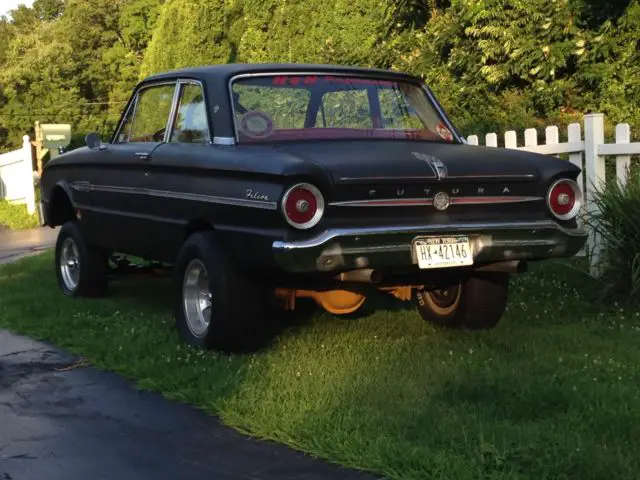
x=191, y=124
x=147, y=121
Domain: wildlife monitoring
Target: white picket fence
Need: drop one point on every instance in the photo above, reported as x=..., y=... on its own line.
x=589, y=152
x=16, y=176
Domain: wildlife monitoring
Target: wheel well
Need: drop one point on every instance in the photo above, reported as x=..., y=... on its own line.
x=197, y=225
x=61, y=208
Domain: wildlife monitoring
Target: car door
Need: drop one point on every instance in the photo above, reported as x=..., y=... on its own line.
x=119, y=195
x=175, y=178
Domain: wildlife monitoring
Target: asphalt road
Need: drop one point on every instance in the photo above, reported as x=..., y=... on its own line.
x=62, y=420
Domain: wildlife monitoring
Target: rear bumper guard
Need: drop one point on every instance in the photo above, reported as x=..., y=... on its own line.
x=343, y=249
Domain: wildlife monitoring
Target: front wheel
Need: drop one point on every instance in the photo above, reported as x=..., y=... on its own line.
x=476, y=303
x=81, y=268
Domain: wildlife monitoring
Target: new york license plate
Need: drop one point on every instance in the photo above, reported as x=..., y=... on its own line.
x=443, y=252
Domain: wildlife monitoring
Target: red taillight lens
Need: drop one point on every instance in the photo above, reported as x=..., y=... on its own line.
x=303, y=206
x=564, y=199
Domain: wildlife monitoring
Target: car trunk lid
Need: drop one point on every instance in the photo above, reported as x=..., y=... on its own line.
x=390, y=162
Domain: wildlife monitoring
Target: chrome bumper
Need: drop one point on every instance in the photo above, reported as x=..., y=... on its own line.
x=343, y=249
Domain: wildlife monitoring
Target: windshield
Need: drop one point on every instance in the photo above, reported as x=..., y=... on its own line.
x=313, y=107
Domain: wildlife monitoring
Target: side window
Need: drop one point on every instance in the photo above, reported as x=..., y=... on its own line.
x=345, y=109
x=191, y=124
x=147, y=122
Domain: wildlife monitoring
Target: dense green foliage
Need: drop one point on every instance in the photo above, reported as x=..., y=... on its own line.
x=493, y=63
x=616, y=223
x=16, y=217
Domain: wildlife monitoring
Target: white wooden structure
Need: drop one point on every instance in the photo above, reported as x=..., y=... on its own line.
x=588, y=151
x=16, y=176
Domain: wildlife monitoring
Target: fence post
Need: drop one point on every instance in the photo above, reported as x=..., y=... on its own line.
x=595, y=180
x=29, y=192
x=491, y=140
x=510, y=139
x=472, y=139
x=551, y=136
x=623, y=135
x=530, y=137
x=574, y=135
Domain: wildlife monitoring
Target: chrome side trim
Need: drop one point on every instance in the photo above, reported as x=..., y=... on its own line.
x=386, y=202
x=377, y=179
x=449, y=177
x=415, y=202
x=239, y=202
x=80, y=186
x=224, y=141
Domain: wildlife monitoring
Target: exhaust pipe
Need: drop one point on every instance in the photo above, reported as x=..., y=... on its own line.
x=509, y=266
x=365, y=275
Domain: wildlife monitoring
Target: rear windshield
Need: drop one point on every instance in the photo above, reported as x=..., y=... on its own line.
x=313, y=107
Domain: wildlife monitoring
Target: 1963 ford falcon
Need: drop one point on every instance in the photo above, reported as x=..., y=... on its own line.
x=264, y=184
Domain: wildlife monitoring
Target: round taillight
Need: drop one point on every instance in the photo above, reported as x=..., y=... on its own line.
x=303, y=206
x=564, y=199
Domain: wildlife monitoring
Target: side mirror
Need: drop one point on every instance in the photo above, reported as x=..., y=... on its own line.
x=93, y=140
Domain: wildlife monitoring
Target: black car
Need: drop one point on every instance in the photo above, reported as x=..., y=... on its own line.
x=264, y=184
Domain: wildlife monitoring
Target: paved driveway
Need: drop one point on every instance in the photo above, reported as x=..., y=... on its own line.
x=61, y=420
x=14, y=245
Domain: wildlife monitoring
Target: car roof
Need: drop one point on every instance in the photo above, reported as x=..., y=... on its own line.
x=232, y=69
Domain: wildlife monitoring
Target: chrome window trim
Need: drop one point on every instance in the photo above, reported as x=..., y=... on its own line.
x=419, y=83
x=176, y=102
x=168, y=129
x=134, y=104
x=441, y=112
x=224, y=141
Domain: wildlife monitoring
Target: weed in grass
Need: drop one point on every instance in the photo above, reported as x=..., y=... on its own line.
x=552, y=392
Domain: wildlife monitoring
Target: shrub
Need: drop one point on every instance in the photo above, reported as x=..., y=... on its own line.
x=617, y=222
x=15, y=216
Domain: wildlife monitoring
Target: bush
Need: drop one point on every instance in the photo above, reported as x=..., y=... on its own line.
x=15, y=216
x=617, y=223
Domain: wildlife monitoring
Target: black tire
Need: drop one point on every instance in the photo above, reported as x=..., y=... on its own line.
x=477, y=303
x=237, y=316
x=88, y=278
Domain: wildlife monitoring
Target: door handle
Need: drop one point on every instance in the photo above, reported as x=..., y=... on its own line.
x=143, y=155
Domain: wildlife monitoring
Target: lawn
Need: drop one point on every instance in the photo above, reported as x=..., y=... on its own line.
x=553, y=392
x=15, y=216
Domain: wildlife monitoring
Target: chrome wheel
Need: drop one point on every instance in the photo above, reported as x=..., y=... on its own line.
x=196, y=298
x=70, y=264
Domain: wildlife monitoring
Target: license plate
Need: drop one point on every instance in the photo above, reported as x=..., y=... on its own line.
x=443, y=252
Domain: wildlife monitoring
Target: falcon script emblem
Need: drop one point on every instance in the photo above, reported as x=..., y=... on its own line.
x=437, y=165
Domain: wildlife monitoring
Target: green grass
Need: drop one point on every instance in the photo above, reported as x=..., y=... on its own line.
x=552, y=393
x=15, y=216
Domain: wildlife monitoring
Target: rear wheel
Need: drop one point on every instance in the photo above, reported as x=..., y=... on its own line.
x=216, y=306
x=81, y=268
x=477, y=303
